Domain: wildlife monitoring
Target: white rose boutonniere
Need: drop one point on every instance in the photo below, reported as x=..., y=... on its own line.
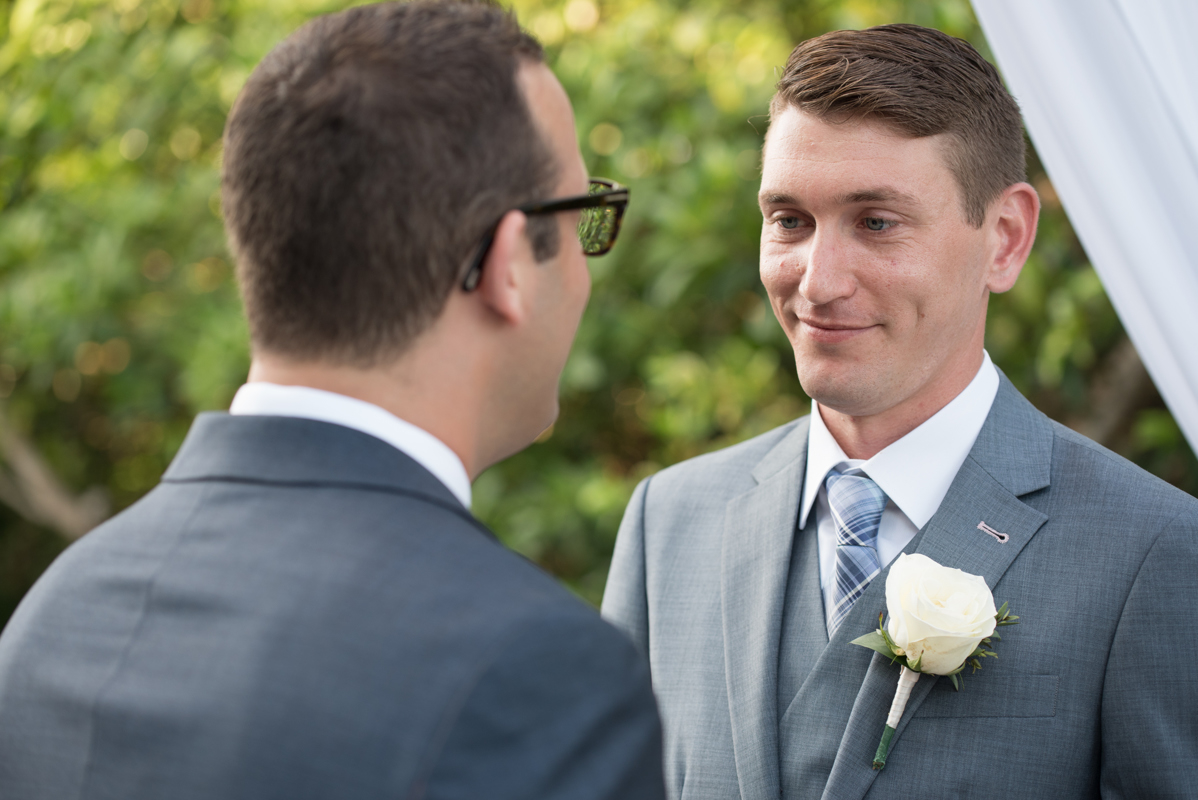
x=938, y=615
x=941, y=619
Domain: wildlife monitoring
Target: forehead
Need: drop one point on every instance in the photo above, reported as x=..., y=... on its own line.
x=808, y=154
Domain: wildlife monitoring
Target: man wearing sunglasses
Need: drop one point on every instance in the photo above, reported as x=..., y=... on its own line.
x=305, y=606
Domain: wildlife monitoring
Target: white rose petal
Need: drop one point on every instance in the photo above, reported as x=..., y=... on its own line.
x=938, y=615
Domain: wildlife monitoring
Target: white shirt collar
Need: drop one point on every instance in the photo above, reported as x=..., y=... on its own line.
x=270, y=399
x=915, y=471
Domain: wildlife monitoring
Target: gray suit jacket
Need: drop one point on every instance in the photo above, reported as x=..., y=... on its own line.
x=301, y=611
x=1095, y=693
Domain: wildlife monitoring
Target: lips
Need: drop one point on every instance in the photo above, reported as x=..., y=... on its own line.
x=827, y=332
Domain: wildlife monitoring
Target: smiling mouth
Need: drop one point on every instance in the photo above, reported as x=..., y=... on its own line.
x=831, y=332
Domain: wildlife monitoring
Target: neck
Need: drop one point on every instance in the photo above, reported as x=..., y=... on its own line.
x=435, y=400
x=864, y=436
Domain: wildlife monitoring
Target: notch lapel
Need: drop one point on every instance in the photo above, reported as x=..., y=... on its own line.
x=1011, y=457
x=759, y=529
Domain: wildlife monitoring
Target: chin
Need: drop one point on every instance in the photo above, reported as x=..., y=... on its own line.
x=543, y=421
x=847, y=391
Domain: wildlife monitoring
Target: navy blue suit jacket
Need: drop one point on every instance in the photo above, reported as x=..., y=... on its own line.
x=301, y=611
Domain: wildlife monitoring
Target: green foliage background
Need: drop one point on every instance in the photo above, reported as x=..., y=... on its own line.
x=119, y=319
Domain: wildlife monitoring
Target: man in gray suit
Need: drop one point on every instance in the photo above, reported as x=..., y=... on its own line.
x=894, y=203
x=305, y=607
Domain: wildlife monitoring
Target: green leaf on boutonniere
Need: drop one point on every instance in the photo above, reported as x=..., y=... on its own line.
x=1004, y=617
x=894, y=648
x=879, y=641
x=874, y=640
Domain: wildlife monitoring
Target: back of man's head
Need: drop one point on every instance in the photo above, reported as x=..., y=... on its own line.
x=920, y=82
x=365, y=158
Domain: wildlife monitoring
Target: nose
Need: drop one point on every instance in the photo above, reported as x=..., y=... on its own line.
x=827, y=273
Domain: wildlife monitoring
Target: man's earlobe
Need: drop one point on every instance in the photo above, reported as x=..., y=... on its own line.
x=1018, y=213
x=502, y=286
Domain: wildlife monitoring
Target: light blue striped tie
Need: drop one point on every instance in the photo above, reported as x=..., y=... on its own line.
x=857, y=503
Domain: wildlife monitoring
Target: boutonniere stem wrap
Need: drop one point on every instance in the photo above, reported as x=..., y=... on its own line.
x=941, y=620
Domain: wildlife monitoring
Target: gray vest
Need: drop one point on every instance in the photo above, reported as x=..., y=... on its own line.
x=809, y=734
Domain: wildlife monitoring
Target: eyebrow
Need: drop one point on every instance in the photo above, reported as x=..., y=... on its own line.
x=777, y=199
x=882, y=195
x=879, y=195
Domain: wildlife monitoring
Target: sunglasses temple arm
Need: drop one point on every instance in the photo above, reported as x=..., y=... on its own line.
x=475, y=273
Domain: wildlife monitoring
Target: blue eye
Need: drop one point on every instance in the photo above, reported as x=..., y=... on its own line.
x=790, y=223
x=877, y=223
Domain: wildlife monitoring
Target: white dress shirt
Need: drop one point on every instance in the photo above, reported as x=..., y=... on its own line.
x=270, y=399
x=914, y=472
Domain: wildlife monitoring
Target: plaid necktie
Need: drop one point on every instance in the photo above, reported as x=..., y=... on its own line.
x=857, y=504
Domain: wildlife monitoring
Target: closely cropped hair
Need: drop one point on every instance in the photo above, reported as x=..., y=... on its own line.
x=920, y=82
x=364, y=160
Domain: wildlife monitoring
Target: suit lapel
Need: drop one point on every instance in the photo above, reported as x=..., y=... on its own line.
x=759, y=528
x=1011, y=457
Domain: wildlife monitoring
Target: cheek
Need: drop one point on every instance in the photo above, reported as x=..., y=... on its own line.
x=953, y=300
x=584, y=278
x=914, y=292
x=778, y=290
x=777, y=270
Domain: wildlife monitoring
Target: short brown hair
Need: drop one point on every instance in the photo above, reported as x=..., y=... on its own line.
x=364, y=160
x=920, y=82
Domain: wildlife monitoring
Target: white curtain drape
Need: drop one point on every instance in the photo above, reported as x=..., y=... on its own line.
x=1109, y=92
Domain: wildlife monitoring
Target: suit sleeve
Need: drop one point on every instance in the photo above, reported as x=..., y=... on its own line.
x=625, y=599
x=563, y=712
x=1149, y=703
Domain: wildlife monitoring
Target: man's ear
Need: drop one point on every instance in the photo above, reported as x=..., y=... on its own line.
x=1018, y=212
x=503, y=284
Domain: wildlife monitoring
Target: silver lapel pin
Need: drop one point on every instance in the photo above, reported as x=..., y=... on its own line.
x=1001, y=537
